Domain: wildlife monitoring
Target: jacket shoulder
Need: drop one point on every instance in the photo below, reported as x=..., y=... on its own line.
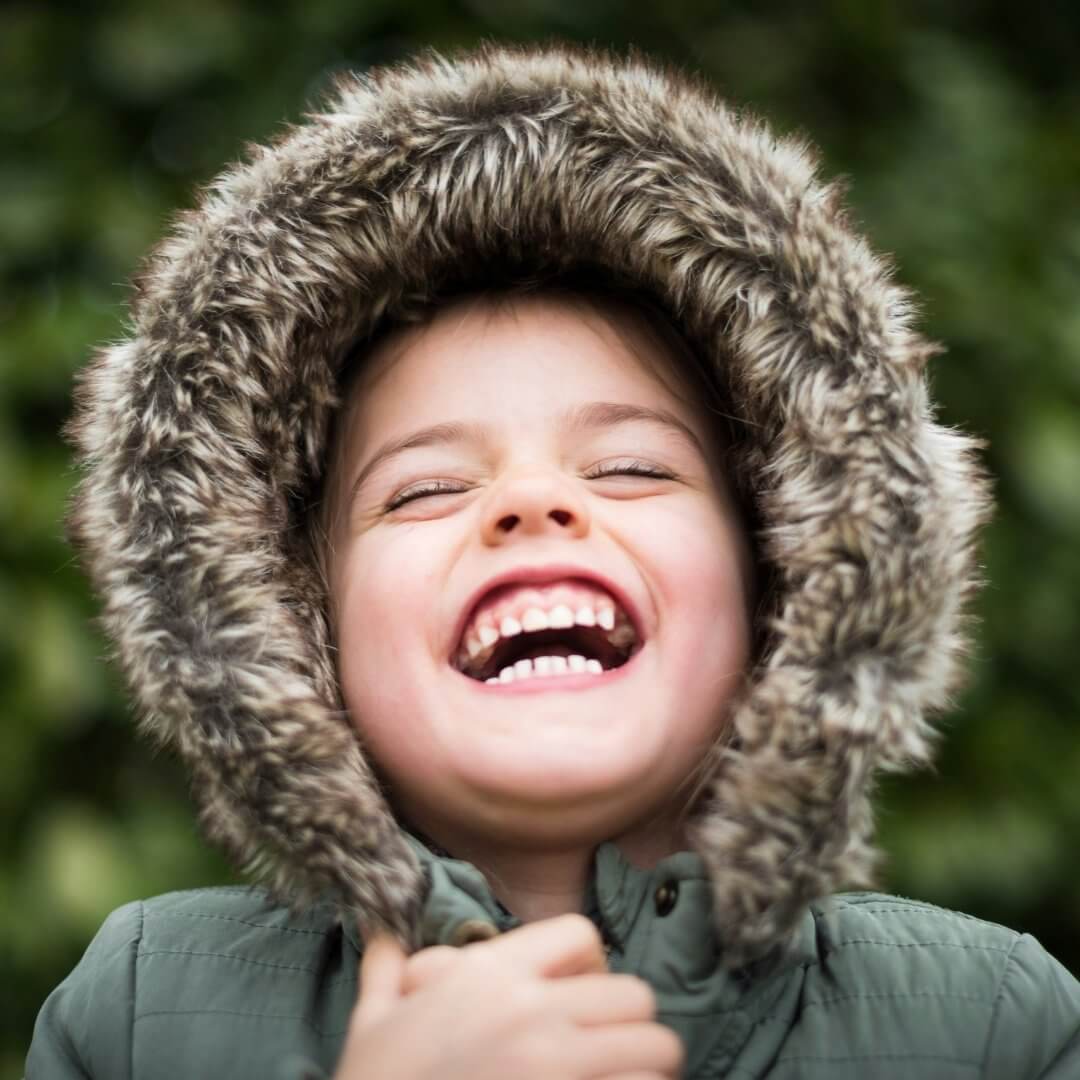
x=202, y=919
x=84, y=1027
x=899, y=979
x=863, y=918
x=220, y=979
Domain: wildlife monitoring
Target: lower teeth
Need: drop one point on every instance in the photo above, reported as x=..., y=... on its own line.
x=547, y=665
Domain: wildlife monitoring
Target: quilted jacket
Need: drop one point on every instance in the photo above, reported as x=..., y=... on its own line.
x=224, y=983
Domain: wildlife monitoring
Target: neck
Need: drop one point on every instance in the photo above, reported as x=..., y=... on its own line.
x=535, y=882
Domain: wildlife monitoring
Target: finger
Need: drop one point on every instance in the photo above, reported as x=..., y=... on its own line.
x=642, y=1076
x=552, y=948
x=428, y=965
x=621, y=1048
x=590, y=1000
x=381, y=968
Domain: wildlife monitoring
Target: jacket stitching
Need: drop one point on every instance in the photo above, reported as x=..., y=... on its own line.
x=997, y=1003
x=242, y=959
x=775, y=1018
x=215, y=890
x=966, y=1062
x=898, y=995
x=847, y=900
x=907, y=909
x=237, y=1012
x=922, y=944
x=242, y=922
x=898, y=905
x=135, y=986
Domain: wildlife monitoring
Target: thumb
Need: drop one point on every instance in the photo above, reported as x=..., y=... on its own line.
x=381, y=970
x=428, y=965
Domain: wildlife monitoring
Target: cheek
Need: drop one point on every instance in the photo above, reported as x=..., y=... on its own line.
x=388, y=650
x=384, y=621
x=698, y=553
x=707, y=641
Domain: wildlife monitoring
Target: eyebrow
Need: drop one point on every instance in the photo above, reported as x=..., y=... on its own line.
x=590, y=417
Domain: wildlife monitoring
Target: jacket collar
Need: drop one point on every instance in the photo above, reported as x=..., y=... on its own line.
x=657, y=922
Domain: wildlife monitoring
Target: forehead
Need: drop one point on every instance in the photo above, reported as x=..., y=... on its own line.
x=477, y=358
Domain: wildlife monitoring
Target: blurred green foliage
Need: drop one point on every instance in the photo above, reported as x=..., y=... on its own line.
x=958, y=128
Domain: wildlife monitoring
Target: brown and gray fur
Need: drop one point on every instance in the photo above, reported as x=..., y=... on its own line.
x=203, y=433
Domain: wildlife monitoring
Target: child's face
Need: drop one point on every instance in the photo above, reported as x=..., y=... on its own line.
x=595, y=755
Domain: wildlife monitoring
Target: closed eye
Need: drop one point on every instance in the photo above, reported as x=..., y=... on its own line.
x=435, y=487
x=447, y=487
x=632, y=468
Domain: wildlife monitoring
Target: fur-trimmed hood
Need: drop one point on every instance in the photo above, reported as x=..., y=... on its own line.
x=200, y=434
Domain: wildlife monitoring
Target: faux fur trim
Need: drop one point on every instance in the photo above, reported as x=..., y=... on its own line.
x=198, y=433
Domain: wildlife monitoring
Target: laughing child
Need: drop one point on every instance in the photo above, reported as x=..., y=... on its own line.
x=520, y=505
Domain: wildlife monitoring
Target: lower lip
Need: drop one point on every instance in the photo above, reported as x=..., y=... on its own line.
x=539, y=684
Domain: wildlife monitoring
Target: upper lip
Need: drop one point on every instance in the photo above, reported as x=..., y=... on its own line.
x=543, y=575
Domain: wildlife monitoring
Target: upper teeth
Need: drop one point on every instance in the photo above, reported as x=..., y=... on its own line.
x=558, y=618
x=480, y=639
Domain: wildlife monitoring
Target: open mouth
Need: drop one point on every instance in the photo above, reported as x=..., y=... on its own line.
x=547, y=634
x=550, y=652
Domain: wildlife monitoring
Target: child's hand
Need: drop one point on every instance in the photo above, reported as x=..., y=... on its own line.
x=536, y=1003
x=432, y=963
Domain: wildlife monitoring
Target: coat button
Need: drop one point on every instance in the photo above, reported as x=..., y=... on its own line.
x=666, y=896
x=470, y=930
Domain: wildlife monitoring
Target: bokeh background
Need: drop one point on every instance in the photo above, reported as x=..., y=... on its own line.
x=959, y=127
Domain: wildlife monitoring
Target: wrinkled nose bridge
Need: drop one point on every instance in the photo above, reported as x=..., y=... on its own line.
x=535, y=500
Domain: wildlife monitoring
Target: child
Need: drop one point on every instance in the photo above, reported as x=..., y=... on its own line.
x=535, y=645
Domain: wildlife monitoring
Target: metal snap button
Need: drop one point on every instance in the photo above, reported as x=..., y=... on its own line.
x=666, y=896
x=470, y=930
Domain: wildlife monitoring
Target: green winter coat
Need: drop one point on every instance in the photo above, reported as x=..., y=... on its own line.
x=202, y=437
x=221, y=983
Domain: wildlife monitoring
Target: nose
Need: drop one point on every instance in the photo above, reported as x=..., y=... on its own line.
x=534, y=502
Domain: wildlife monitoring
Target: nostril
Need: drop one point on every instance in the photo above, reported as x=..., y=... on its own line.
x=562, y=517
